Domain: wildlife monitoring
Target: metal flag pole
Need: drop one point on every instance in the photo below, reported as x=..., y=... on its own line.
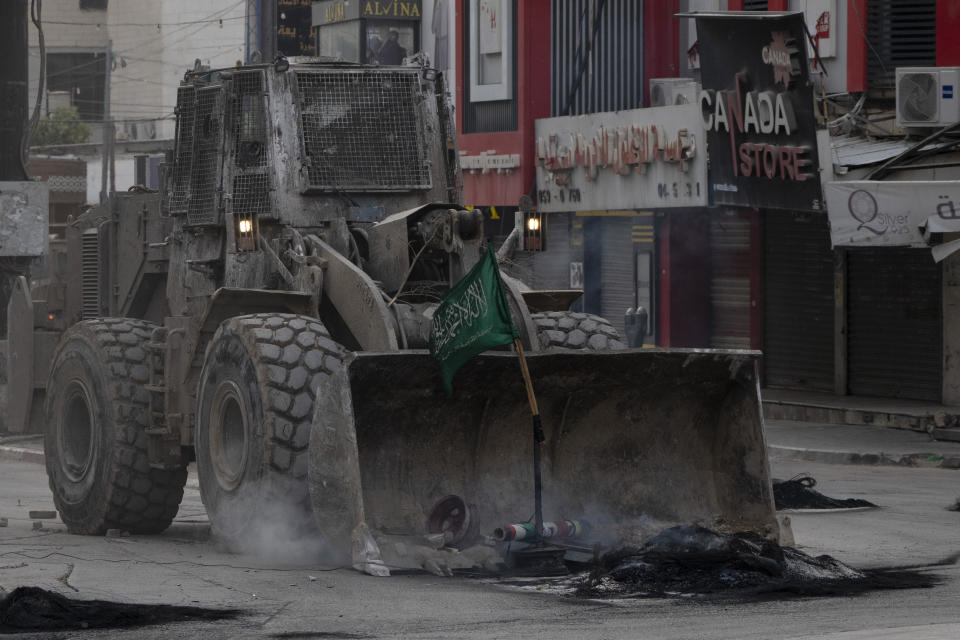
x=538, y=438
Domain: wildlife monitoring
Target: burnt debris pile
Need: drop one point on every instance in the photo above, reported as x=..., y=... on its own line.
x=32, y=609
x=799, y=493
x=693, y=561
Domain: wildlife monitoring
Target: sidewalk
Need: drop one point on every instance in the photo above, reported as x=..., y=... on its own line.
x=26, y=448
x=826, y=408
x=786, y=440
x=858, y=444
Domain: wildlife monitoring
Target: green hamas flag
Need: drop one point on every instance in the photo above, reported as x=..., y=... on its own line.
x=473, y=317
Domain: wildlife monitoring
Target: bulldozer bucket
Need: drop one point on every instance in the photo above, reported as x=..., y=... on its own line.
x=635, y=440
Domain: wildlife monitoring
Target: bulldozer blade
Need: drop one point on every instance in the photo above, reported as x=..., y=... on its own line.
x=636, y=440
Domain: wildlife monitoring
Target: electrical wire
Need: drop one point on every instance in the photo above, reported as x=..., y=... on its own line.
x=215, y=17
x=145, y=24
x=863, y=33
x=141, y=45
x=35, y=9
x=169, y=116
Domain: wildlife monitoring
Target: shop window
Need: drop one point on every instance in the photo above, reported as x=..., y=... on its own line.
x=490, y=60
x=81, y=75
x=389, y=42
x=491, y=52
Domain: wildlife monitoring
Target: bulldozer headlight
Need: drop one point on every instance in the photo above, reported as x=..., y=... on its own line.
x=534, y=226
x=246, y=232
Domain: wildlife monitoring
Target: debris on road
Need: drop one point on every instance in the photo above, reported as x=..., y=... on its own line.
x=3, y=522
x=32, y=609
x=43, y=515
x=798, y=493
x=688, y=561
x=953, y=507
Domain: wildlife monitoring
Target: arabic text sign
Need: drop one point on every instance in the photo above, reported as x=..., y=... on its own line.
x=870, y=213
x=622, y=160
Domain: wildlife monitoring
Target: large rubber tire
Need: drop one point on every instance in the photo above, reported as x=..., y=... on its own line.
x=574, y=330
x=97, y=410
x=254, y=413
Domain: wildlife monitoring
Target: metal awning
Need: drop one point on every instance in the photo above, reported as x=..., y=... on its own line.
x=857, y=151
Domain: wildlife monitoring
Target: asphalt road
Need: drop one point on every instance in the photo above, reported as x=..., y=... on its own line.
x=295, y=599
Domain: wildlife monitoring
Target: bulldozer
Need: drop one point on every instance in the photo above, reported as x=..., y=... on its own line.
x=266, y=314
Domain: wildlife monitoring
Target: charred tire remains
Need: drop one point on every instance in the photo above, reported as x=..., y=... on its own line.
x=573, y=330
x=254, y=413
x=97, y=411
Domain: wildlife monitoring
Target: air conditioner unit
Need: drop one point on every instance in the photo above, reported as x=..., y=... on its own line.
x=666, y=92
x=928, y=96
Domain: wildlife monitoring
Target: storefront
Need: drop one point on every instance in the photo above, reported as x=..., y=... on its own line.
x=372, y=32
x=798, y=301
x=608, y=180
x=771, y=283
x=898, y=295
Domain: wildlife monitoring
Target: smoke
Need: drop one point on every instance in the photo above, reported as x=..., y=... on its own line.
x=273, y=528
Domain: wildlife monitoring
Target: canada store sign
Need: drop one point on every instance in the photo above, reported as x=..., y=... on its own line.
x=757, y=108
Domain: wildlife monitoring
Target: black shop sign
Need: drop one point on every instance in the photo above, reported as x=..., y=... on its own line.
x=757, y=106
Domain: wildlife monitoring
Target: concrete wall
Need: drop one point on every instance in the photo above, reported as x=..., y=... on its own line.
x=214, y=43
x=66, y=25
x=66, y=29
x=135, y=90
x=148, y=61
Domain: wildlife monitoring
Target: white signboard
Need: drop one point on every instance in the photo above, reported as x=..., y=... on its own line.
x=871, y=213
x=490, y=27
x=821, y=19
x=642, y=158
x=576, y=275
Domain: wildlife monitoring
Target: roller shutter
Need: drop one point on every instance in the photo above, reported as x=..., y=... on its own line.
x=549, y=269
x=553, y=265
x=895, y=324
x=729, y=282
x=798, y=303
x=617, y=264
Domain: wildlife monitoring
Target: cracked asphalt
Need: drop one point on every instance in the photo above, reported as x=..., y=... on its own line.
x=304, y=600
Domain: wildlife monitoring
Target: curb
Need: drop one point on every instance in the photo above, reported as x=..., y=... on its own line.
x=927, y=460
x=9, y=452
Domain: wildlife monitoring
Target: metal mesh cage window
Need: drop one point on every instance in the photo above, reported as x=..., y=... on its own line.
x=361, y=131
x=202, y=208
x=250, y=120
x=251, y=195
x=183, y=161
